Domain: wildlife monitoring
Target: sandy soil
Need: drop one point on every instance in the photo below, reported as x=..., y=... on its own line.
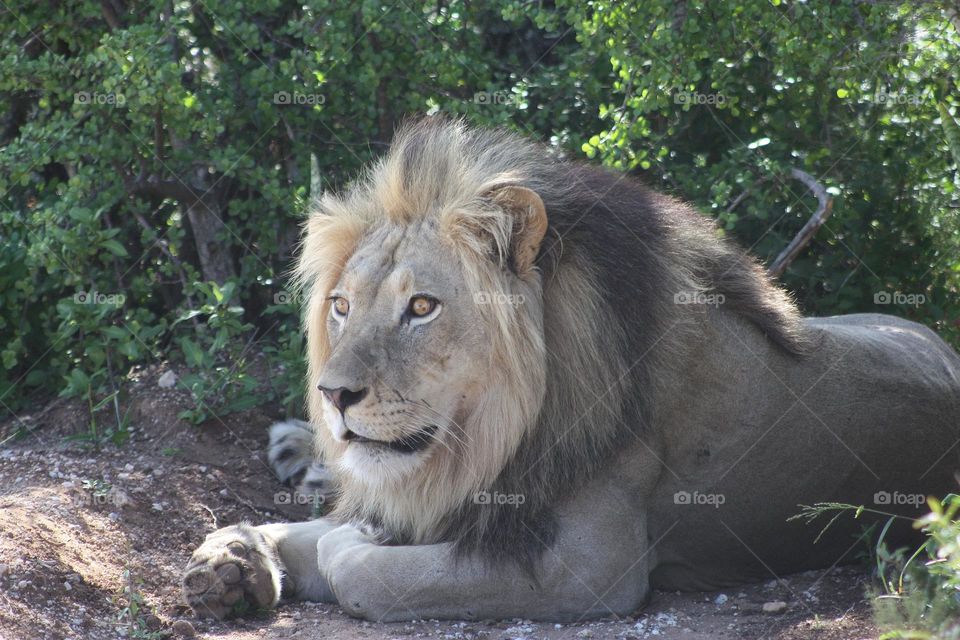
x=92, y=544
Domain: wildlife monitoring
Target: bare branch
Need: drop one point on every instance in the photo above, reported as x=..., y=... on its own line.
x=803, y=237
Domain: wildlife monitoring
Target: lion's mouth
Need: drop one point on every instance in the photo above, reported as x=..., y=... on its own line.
x=407, y=444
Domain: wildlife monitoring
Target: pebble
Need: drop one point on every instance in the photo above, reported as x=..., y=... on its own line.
x=720, y=600
x=184, y=629
x=167, y=380
x=775, y=607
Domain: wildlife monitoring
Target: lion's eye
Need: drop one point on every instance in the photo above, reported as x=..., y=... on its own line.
x=340, y=306
x=421, y=310
x=420, y=306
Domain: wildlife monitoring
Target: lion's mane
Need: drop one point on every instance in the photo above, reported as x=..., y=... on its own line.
x=577, y=368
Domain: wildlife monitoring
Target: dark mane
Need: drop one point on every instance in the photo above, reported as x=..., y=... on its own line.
x=641, y=249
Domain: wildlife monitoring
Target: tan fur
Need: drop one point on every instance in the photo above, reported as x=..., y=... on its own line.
x=478, y=216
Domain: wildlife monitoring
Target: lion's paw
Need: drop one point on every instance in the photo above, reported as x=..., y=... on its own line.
x=234, y=570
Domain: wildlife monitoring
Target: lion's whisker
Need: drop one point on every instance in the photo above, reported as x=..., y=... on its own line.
x=447, y=421
x=445, y=427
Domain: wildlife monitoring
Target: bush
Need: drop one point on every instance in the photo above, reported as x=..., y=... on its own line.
x=156, y=157
x=919, y=589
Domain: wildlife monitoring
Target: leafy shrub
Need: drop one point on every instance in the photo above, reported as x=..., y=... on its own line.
x=919, y=592
x=922, y=589
x=156, y=153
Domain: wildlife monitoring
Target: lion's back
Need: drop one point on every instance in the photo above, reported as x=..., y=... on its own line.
x=895, y=348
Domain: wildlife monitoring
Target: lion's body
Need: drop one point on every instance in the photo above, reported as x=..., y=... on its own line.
x=872, y=408
x=649, y=406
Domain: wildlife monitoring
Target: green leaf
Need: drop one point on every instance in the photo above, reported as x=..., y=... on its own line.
x=115, y=248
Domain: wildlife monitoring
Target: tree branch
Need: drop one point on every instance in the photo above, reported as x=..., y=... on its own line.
x=803, y=237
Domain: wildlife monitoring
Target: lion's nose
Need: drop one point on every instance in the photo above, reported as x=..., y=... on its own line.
x=341, y=397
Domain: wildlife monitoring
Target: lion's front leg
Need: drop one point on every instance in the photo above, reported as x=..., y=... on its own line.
x=242, y=567
x=597, y=568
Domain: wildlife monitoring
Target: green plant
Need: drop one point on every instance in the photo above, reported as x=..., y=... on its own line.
x=117, y=434
x=919, y=593
x=287, y=357
x=132, y=617
x=217, y=351
x=150, y=150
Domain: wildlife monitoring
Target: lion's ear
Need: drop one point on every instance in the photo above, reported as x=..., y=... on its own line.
x=529, y=224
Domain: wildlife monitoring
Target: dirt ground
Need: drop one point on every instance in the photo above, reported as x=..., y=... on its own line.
x=92, y=544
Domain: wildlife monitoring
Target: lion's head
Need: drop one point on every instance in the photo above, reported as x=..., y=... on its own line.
x=468, y=331
x=425, y=326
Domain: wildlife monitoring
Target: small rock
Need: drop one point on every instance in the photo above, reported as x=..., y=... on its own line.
x=720, y=600
x=775, y=607
x=167, y=380
x=184, y=629
x=156, y=506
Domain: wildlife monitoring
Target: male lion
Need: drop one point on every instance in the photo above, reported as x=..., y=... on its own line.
x=542, y=389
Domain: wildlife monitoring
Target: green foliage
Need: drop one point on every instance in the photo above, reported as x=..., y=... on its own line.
x=215, y=352
x=919, y=594
x=119, y=430
x=924, y=600
x=719, y=100
x=150, y=151
x=132, y=617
